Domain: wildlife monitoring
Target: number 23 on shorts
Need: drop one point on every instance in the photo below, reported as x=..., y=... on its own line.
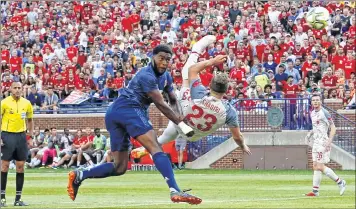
x=210, y=119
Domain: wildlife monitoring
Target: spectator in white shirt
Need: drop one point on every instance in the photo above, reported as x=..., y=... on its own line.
x=60, y=52
x=170, y=34
x=96, y=66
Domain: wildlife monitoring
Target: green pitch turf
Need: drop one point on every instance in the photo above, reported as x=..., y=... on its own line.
x=218, y=189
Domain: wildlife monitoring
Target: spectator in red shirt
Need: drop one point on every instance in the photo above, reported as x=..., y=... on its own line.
x=329, y=80
x=205, y=78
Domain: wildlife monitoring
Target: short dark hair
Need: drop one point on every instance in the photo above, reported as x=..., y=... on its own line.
x=220, y=83
x=290, y=77
x=96, y=129
x=162, y=48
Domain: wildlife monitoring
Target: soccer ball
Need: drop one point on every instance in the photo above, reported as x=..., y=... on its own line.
x=318, y=18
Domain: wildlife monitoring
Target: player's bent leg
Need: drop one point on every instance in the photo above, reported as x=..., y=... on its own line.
x=163, y=165
x=169, y=134
x=332, y=175
x=198, y=48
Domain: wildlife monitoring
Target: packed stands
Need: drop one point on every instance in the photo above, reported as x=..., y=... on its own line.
x=91, y=50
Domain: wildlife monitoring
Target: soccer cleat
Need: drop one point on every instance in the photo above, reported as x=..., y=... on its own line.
x=20, y=203
x=183, y=196
x=200, y=46
x=73, y=184
x=342, y=187
x=312, y=194
x=139, y=152
x=3, y=203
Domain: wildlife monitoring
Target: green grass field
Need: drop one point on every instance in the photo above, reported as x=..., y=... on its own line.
x=217, y=188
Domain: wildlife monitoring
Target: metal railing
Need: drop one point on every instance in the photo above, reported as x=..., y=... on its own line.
x=345, y=136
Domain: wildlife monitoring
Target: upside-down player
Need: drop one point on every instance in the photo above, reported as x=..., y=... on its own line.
x=322, y=122
x=204, y=112
x=128, y=116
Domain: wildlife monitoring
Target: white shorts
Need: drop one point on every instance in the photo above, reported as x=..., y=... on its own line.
x=320, y=155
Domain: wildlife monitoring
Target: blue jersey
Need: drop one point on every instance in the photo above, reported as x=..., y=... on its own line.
x=143, y=82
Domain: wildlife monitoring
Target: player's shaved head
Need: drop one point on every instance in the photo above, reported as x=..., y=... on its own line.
x=16, y=90
x=219, y=83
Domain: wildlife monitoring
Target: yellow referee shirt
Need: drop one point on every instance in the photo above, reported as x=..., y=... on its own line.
x=14, y=114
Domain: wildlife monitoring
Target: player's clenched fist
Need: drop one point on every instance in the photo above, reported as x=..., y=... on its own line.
x=220, y=59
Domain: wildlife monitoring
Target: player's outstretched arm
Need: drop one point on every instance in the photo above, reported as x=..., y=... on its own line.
x=158, y=100
x=173, y=102
x=195, y=69
x=237, y=136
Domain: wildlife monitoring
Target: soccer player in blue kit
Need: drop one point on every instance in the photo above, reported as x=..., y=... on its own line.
x=128, y=116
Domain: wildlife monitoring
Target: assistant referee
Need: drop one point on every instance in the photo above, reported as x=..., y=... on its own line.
x=14, y=111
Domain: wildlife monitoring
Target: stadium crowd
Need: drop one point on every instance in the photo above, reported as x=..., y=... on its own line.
x=54, y=48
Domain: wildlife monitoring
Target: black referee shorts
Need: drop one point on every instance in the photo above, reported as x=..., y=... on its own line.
x=15, y=146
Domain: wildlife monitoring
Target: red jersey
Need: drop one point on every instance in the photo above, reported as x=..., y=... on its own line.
x=15, y=64
x=290, y=91
x=338, y=62
x=71, y=84
x=307, y=66
x=126, y=24
x=79, y=84
x=329, y=81
x=5, y=55
x=237, y=74
x=89, y=84
x=232, y=45
x=6, y=85
x=206, y=78
x=240, y=54
x=119, y=82
x=259, y=51
x=349, y=67
x=60, y=84
x=72, y=52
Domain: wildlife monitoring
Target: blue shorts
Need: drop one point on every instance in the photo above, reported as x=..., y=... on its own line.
x=123, y=122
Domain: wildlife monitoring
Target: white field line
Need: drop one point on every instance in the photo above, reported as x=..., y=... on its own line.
x=152, y=203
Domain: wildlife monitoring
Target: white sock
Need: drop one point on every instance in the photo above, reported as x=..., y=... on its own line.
x=104, y=158
x=316, y=180
x=192, y=59
x=331, y=174
x=78, y=163
x=98, y=157
x=169, y=134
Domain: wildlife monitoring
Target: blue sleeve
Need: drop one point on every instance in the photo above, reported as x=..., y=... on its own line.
x=232, y=120
x=169, y=87
x=197, y=90
x=327, y=115
x=148, y=83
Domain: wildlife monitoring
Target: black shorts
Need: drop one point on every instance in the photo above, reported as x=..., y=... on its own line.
x=15, y=146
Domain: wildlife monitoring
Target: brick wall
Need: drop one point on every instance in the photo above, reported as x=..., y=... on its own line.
x=335, y=104
x=234, y=160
